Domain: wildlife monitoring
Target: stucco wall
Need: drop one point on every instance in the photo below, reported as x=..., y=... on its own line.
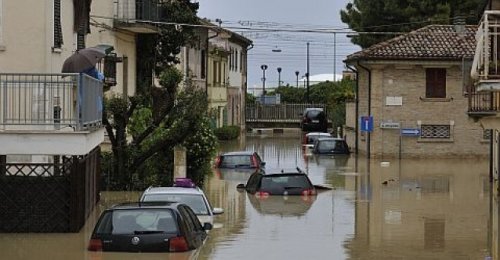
x=408, y=82
x=123, y=42
x=27, y=36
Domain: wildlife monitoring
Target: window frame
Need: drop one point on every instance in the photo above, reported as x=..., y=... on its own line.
x=435, y=82
x=436, y=137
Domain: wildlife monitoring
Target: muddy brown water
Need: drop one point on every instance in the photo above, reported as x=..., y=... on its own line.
x=395, y=209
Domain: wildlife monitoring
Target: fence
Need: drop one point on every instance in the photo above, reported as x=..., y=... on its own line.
x=278, y=113
x=50, y=101
x=48, y=197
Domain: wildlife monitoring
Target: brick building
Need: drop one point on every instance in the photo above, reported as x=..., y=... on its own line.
x=416, y=89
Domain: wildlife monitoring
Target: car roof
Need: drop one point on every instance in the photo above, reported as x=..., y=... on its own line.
x=313, y=108
x=238, y=153
x=145, y=205
x=173, y=190
x=330, y=138
x=281, y=171
x=318, y=133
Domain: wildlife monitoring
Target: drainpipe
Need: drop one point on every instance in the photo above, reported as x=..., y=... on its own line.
x=356, y=114
x=244, y=101
x=369, y=106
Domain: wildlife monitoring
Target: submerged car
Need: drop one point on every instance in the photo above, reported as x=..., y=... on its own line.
x=329, y=145
x=148, y=227
x=243, y=159
x=314, y=119
x=186, y=192
x=309, y=139
x=282, y=182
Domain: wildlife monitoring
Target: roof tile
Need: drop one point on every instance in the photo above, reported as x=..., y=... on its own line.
x=430, y=42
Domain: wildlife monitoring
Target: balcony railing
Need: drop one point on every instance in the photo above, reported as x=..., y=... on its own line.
x=484, y=103
x=48, y=102
x=486, y=65
x=131, y=11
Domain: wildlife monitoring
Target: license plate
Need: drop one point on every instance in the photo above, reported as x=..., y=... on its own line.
x=315, y=121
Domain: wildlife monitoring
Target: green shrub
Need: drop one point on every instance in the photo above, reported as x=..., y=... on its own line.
x=227, y=132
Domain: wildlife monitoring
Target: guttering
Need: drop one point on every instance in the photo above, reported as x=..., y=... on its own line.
x=368, y=144
x=356, y=114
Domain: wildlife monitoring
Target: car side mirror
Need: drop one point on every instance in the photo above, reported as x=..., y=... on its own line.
x=240, y=186
x=263, y=164
x=218, y=211
x=207, y=226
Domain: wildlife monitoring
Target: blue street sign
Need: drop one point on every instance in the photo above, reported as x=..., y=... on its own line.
x=410, y=131
x=367, y=123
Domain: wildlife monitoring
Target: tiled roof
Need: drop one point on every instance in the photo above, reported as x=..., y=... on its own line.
x=436, y=42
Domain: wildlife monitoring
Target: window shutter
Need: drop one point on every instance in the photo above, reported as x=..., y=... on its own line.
x=58, y=36
x=435, y=83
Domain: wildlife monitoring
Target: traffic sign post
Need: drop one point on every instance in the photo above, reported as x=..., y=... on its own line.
x=367, y=123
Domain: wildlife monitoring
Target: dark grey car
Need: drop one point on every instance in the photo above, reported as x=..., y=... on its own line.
x=148, y=227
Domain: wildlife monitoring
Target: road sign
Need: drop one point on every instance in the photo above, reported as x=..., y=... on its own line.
x=367, y=123
x=410, y=132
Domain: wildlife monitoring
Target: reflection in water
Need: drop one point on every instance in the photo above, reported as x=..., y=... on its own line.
x=408, y=209
x=284, y=206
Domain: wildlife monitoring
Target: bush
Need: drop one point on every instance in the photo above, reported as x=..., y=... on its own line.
x=227, y=132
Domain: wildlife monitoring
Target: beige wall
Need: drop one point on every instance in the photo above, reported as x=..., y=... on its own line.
x=27, y=36
x=124, y=43
x=408, y=82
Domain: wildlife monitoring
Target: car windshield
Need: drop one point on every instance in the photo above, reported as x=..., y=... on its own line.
x=194, y=201
x=312, y=138
x=236, y=160
x=137, y=221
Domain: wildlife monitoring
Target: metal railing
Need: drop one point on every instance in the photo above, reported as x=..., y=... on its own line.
x=132, y=10
x=277, y=113
x=484, y=102
x=485, y=65
x=46, y=102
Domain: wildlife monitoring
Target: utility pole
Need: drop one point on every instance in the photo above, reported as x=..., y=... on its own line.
x=307, y=74
x=334, y=56
x=264, y=68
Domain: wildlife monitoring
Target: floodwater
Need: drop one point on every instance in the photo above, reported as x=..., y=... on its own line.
x=408, y=209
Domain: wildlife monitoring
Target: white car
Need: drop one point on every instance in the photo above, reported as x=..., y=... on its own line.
x=192, y=196
x=310, y=138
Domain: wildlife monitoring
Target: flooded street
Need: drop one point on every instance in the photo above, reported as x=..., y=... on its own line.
x=408, y=209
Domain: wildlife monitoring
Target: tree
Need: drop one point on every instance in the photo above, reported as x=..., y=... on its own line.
x=403, y=16
x=158, y=117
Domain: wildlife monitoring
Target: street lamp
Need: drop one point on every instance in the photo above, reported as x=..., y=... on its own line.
x=264, y=68
x=279, y=77
x=297, y=75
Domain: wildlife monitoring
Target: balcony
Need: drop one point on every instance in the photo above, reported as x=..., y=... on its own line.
x=137, y=16
x=50, y=113
x=486, y=65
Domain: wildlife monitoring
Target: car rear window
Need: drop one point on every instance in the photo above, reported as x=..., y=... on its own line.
x=194, y=201
x=137, y=221
x=236, y=161
x=281, y=182
x=326, y=144
x=313, y=113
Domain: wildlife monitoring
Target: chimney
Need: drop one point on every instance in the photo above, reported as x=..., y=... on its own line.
x=459, y=25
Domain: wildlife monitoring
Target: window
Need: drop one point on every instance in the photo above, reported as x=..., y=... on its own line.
x=487, y=134
x=236, y=60
x=435, y=83
x=203, y=64
x=435, y=131
x=58, y=37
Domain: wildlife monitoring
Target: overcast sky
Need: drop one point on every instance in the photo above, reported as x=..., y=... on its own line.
x=288, y=15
